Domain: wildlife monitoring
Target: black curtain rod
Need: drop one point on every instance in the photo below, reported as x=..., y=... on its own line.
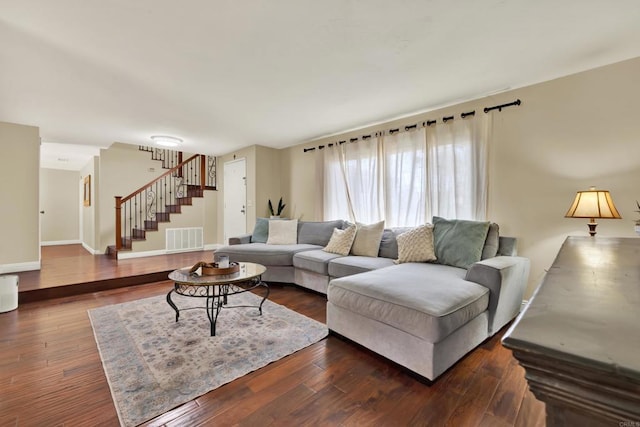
x=427, y=123
x=500, y=107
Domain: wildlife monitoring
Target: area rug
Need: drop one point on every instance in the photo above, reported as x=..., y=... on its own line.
x=154, y=364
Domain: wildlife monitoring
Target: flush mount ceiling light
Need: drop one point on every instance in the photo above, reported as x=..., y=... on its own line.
x=166, y=141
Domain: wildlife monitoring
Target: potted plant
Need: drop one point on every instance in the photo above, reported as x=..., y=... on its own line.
x=637, y=221
x=276, y=214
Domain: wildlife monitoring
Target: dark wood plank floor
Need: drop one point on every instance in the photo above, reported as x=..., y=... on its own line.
x=51, y=374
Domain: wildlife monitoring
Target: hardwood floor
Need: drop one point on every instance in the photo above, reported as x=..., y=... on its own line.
x=51, y=374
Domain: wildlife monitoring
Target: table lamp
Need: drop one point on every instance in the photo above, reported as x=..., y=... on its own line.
x=593, y=204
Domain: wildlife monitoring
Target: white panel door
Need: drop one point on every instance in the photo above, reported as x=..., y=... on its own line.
x=235, y=198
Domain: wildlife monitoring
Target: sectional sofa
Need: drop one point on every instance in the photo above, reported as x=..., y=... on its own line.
x=424, y=316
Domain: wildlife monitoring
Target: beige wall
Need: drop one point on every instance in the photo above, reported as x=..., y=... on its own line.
x=567, y=135
x=19, y=190
x=268, y=185
x=90, y=213
x=60, y=200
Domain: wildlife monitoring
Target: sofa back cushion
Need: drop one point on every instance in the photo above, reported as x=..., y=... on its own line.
x=389, y=244
x=458, y=242
x=492, y=242
x=317, y=233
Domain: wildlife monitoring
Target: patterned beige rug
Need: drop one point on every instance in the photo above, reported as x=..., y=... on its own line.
x=154, y=364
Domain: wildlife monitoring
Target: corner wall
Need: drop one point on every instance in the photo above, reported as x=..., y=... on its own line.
x=568, y=134
x=20, y=188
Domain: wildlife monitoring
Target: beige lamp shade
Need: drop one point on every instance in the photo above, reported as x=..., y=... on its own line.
x=593, y=204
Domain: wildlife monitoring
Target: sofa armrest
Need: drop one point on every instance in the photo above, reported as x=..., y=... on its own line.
x=238, y=240
x=506, y=277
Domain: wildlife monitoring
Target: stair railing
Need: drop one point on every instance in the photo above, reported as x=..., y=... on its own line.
x=169, y=158
x=143, y=209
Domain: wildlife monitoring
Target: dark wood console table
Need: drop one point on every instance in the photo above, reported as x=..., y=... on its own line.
x=579, y=337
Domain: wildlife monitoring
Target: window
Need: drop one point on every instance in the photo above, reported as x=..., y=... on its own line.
x=408, y=177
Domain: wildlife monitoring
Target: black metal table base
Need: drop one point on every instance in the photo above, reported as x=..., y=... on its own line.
x=216, y=297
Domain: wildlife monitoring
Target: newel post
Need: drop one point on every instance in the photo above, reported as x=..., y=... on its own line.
x=118, y=223
x=203, y=171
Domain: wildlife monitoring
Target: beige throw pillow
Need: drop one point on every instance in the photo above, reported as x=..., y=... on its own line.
x=416, y=245
x=341, y=240
x=283, y=232
x=367, y=241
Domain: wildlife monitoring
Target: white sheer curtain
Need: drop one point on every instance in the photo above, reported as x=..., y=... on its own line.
x=408, y=177
x=457, y=180
x=353, y=181
x=405, y=178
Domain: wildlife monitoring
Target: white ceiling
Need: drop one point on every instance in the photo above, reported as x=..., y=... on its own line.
x=225, y=74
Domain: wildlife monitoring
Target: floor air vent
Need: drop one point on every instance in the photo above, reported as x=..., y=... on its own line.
x=184, y=239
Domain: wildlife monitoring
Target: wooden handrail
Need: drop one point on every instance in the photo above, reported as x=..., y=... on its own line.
x=170, y=171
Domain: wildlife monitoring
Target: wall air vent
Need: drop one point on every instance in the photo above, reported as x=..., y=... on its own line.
x=184, y=239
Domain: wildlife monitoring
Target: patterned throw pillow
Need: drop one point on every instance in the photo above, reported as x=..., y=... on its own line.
x=367, y=241
x=341, y=240
x=416, y=245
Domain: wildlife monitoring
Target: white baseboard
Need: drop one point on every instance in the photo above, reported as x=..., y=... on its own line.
x=18, y=267
x=91, y=250
x=524, y=305
x=129, y=255
x=60, y=242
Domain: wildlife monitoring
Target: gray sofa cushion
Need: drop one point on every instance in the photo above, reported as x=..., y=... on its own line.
x=316, y=261
x=389, y=244
x=348, y=265
x=492, y=242
x=429, y=301
x=317, y=233
x=264, y=254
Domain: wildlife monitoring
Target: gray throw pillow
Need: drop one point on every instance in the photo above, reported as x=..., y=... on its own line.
x=493, y=241
x=260, y=231
x=459, y=242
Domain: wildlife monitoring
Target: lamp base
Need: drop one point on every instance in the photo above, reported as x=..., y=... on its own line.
x=592, y=227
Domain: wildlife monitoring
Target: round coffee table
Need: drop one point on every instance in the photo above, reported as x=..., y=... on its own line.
x=216, y=288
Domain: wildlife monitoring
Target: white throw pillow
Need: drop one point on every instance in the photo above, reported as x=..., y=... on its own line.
x=341, y=240
x=283, y=232
x=416, y=245
x=367, y=241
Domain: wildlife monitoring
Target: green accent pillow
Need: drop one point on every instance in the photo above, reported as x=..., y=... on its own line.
x=459, y=242
x=260, y=231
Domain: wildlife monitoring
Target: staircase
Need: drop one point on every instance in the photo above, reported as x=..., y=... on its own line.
x=143, y=210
